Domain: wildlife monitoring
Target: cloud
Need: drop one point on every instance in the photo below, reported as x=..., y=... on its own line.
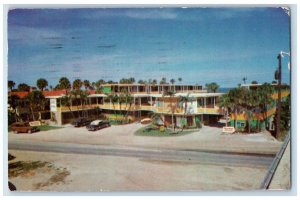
x=29, y=34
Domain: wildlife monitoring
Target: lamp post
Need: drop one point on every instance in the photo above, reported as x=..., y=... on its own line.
x=279, y=57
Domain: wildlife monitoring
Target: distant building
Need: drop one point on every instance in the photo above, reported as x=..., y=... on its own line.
x=200, y=106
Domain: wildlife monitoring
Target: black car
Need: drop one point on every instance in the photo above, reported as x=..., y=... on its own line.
x=97, y=124
x=82, y=121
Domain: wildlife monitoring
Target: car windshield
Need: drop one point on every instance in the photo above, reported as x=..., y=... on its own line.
x=96, y=122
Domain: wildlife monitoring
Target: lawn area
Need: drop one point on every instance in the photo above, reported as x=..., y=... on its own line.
x=157, y=133
x=47, y=127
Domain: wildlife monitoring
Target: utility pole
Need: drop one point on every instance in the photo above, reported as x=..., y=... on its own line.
x=279, y=96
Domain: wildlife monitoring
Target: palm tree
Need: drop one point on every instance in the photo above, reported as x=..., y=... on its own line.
x=11, y=84
x=23, y=87
x=141, y=82
x=212, y=87
x=131, y=80
x=265, y=99
x=36, y=101
x=184, y=100
x=64, y=83
x=172, y=81
x=179, y=79
x=244, y=79
x=172, y=104
x=163, y=81
x=77, y=84
x=42, y=83
x=86, y=84
x=13, y=101
x=235, y=97
x=226, y=104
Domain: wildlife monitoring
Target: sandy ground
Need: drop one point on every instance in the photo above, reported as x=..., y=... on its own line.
x=112, y=173
x=92, y=173
x=208, y=138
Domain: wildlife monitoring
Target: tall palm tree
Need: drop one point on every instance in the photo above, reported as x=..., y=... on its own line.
x=265, y=99
x=11, y=84
x=226, y=104
x=36, y=101
x=172, y=104
x=184, y=101
x=42, y=83
x=172, y=81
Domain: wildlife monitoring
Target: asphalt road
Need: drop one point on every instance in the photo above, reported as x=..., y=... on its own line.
x=200, y=157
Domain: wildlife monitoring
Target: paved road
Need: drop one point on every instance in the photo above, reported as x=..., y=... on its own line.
x=200, y=157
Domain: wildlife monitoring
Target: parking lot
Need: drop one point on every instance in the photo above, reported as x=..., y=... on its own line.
x=207, y=138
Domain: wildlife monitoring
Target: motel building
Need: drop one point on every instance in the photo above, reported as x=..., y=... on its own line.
x=260, y=119
x=198, y=105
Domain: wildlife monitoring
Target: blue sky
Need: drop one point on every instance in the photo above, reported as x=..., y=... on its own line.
x=200, y=45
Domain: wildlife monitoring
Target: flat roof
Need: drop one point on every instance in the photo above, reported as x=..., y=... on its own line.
x=200, y=94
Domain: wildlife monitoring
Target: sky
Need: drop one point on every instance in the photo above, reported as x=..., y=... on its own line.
x=199, y=45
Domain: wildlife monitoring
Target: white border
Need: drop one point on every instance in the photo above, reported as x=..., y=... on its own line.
x=166, y=3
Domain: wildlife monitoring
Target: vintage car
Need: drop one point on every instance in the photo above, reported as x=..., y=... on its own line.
x=23, y=127
x=81, y=121
x=97, y=124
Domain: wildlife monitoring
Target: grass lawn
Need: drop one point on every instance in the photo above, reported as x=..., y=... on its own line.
x=47, y=127
x=157, y=133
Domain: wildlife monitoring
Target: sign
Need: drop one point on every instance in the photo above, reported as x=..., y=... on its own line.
x=228, y=129
x=53, y=105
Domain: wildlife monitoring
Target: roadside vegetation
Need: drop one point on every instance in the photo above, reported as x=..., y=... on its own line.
x=152, y=130
x=47, y=127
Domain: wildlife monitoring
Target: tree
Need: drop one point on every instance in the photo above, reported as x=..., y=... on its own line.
x=274, y=82
x=131, y=80
x=77, y=84
x=179, y=79
x=11, y=84
x=23, y=87
x=154, y=81
x=37, y=102
x=42, y=83
x=254, y=82
x=172, y=103
x=141, y=82
x=86, y=84
x=285, y=118
x=172, y=81
x=13, y=101
x=226, y=104
x=244, y=79
x=212, y=87
x=265, y=99
x=163, y=81
x=184, y=101
x=64, y=83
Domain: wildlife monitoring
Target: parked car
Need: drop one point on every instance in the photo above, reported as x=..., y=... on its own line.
x=97, y=124
x=23, y=127
x=81, y=121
